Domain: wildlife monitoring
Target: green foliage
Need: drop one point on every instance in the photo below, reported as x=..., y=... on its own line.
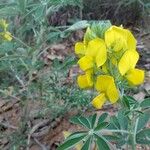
x=121, y=129
x=91, y=134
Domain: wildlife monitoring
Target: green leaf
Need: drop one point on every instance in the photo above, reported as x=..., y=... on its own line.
x=101, y=126
x=143, y=137
x=132, y=102
x=100, y=27
x=87, y=144
x=77, y=134
x=78, y=25
x=92, y=120
x=143, y=120
x=102, y=117
x=85, y=122
x=123, y=121
x=145, y=103
x=81, y=121
x=70, y=142
x=115, y=122
x=126, y=102
x=102, y=144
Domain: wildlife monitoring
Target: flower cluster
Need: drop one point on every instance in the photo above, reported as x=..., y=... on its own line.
x=108, y=61
x=4, y=34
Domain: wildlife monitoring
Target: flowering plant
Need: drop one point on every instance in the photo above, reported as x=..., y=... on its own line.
x=108, y=62
x=4, y=34
x=107, y=59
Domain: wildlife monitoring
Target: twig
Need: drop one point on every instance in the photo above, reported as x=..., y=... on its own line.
x=40, y=144
x=34, y=129
x=7, y=125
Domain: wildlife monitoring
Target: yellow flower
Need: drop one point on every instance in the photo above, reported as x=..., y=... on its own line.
x=128, y=61
x=85, y=81
x=127, y=69
x=7, y=36
x=3, y=24
x=135, y=76
x=106, y=86
x=99, y=100
x=4, y=34
x=95, y=53
x=86, y=63
x=80, y=48
x=118, y=39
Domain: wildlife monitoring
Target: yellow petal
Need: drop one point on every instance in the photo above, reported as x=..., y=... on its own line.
x=98, y=101
x=85, y=81
x=116, y=38
x=3, y=24
x=128, y=61
x=131, y=41
x=112, y=92
x=7, y=36
x=86, y=63
x=101, y=55
x=102, y=82
x=135, y=76
x=96, y=46
x=80, y=48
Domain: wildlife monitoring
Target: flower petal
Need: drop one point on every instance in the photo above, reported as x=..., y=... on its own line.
x=112, y=92
x=101, y=56
x=86, y=63
x=7, y=36
x=131, y=41
x=103, y=82
x=128, y=61
x=98, y=101
x=135, y=76
x=94, y=46
x=80, y=48
x=85, y=81
x=115, y=38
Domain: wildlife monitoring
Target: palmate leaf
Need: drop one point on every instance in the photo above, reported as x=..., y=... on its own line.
x=101, y=143
x=72, y=140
